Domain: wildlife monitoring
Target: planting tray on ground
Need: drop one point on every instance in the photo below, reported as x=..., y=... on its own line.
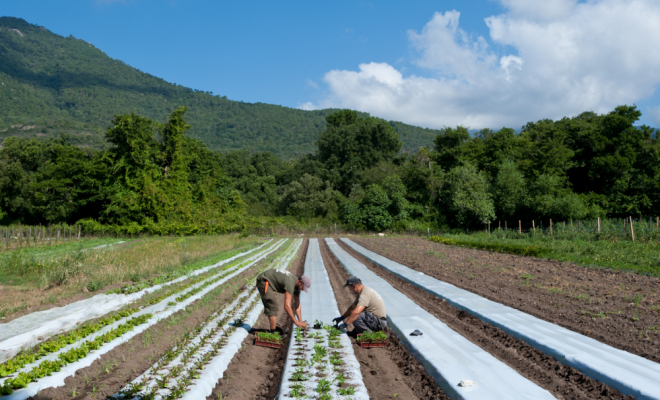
x=366, y=345
x=259, y=342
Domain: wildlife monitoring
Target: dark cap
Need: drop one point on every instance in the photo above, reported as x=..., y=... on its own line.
x=352, y=280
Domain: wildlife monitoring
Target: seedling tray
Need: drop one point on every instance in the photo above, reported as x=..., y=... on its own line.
x=259, y=342
x=366, y=345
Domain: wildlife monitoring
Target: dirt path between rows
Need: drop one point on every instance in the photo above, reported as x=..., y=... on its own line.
x=255, y=372
x=618, y=308
x=115, y=369
x=390, y=372
x=562, y=381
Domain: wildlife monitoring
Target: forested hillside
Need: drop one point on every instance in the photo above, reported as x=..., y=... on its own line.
x=50, y=85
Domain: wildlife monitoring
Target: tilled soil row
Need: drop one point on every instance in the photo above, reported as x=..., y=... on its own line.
x=562, y=381
x=619, y=308
x=118, y=367
x=255, y=372
x=390, y=372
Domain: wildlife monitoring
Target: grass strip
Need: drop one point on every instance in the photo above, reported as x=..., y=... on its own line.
x=500, y=247
x=638, y=257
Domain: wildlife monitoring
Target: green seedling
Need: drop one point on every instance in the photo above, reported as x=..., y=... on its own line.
x=299, y=375
x=349, y=391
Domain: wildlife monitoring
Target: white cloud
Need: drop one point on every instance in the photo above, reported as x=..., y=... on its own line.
x=567, y=57
x=309, y=106
x=312, y=84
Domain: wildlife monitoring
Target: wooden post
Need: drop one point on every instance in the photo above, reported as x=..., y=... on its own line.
x=533, y=227
x=551, y=227
x=79, y=229
x=520, y=227
x=488, y=228
x=598, y=224
x=632, y=229
x=500, y=227
x=571, y=225
x=58, y=233
x=505, y=227
x=657, y=219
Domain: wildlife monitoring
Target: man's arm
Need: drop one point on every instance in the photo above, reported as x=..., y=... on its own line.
x=298, y=309
x=355, y=313
x=289, y=310
x=348, y=312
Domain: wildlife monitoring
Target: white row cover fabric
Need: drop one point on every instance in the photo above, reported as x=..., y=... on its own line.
x=320, y=304
x=233, y=341
x=209, y=377
x=160, y=311
x=24, y=332
x=628, y=373
x=446, y=355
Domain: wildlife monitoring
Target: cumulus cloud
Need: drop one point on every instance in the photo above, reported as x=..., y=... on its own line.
x=567, y=57
x=312, y=84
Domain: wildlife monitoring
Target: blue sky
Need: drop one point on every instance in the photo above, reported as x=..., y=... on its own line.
x=432, y=63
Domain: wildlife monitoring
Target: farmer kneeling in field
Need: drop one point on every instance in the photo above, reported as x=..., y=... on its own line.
x=368, y=311
x=274, y=281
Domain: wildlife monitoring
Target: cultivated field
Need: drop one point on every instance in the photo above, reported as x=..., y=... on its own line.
x=186, y=329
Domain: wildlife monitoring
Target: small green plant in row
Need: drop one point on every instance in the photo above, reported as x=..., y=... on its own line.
x=47, y=367
x=14, y=364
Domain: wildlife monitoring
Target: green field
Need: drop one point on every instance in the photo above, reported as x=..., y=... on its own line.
x=606, y=250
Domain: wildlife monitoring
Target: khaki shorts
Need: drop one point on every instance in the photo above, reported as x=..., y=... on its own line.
x=269, y=299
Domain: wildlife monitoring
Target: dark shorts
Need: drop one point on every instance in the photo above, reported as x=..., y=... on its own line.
x=366, y=321
x=269, y=299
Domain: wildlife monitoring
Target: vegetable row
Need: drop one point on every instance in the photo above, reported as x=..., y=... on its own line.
x=181, y=367
x=148, y=316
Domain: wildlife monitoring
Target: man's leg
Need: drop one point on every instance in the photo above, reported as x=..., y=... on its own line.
x=270, y=305
x=366, y=321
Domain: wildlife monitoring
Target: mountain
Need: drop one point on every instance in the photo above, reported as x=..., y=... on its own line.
x=52, y=85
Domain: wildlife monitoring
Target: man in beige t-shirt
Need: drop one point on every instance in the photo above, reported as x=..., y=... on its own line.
x=367, y=313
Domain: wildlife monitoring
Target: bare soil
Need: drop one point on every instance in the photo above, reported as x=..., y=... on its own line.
x=255, y=372
x=115, y=369
x=562, y=381
x=389, y=372
x=621, y=309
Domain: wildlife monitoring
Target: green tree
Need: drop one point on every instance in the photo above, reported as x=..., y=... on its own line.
x=349, y=145
x=465, y=197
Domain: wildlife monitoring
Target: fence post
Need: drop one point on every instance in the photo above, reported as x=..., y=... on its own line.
x=488, y=228
x=551, y=227
x=520, y=227
x=533, y=227
x=598, y=224
x=500, y=226
x=506, y=228
x=632, y=229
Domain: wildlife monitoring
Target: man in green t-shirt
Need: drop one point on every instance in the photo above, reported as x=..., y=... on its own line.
x=367, y=313
x=274, y=281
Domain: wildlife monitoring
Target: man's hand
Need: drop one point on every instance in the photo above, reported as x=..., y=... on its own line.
x=343, y=325
x=337, y=320
x=301, y=324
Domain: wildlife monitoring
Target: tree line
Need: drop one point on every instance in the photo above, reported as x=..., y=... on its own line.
x=582, y=167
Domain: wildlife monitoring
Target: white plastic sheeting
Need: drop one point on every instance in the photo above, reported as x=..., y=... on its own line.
x=319, y=304
x=628, y=373
x=446, y=355
x=203, y=387
x=233, y=341
x=24, y=332
x=160, y=311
